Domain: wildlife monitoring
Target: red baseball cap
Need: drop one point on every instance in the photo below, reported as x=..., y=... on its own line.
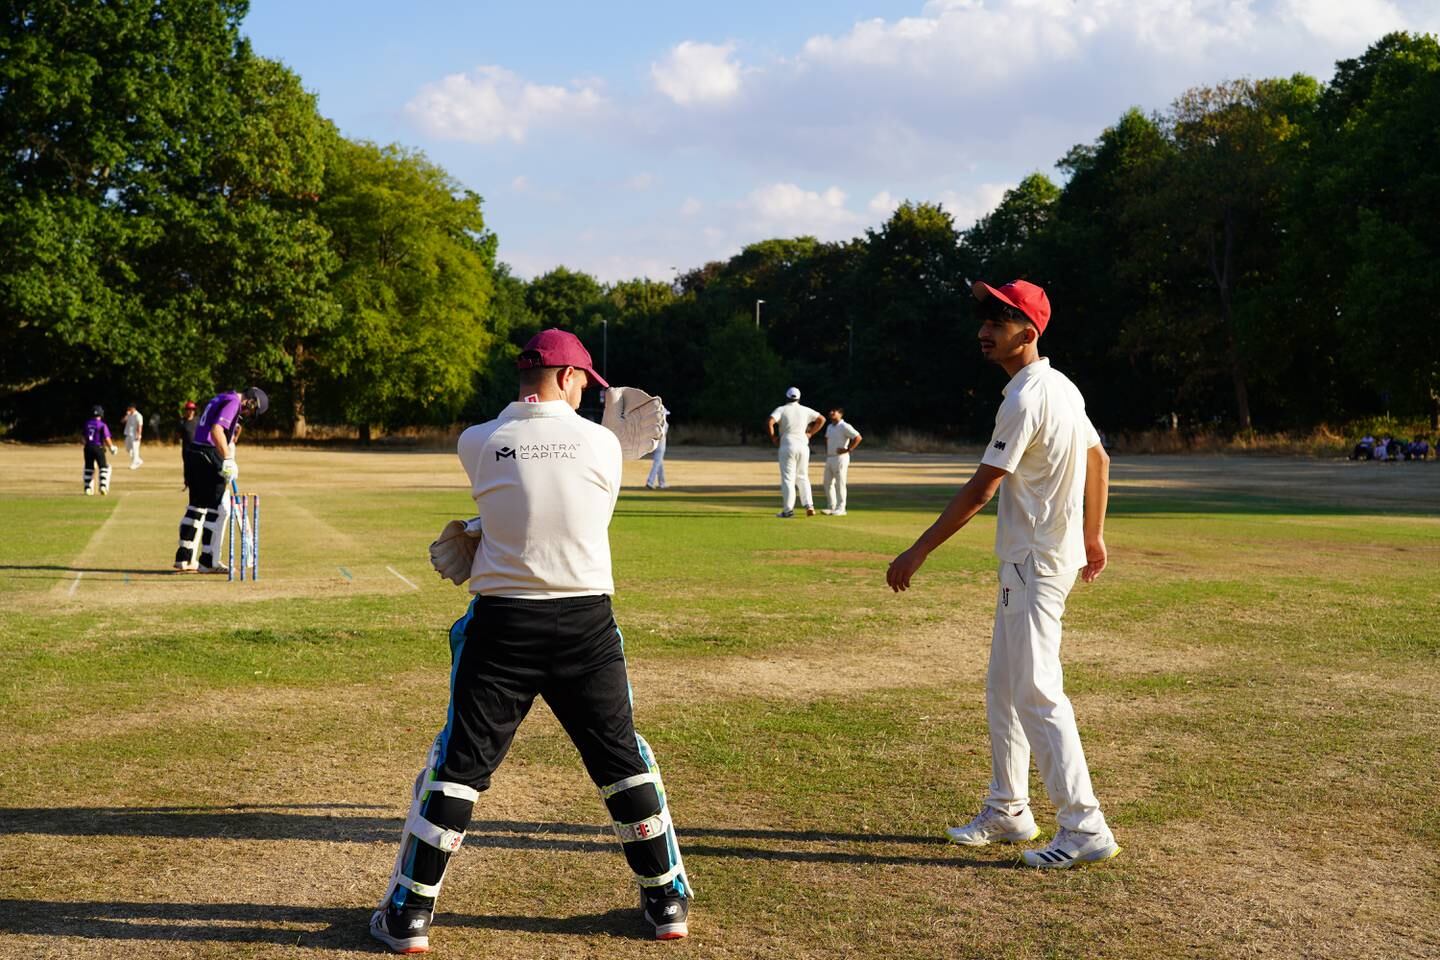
x=557, y=348
x=1020, y=294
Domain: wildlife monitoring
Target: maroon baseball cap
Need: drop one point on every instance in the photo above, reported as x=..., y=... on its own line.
x=1020, y=294
x=557, y=348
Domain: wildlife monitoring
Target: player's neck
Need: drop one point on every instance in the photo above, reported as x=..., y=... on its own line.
x=1020, y=360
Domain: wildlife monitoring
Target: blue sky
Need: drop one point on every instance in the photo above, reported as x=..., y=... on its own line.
x=627, y=139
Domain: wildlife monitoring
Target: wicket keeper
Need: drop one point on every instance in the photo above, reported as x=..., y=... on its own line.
x=545, y=481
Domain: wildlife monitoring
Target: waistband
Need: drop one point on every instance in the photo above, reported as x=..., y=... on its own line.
x=553, y=603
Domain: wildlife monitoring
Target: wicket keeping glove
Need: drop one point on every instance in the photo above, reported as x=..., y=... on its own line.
x=637, y=418
x=453, y=552
x=229, y=471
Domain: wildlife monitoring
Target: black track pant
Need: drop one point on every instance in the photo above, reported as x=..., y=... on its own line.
x=506, y=651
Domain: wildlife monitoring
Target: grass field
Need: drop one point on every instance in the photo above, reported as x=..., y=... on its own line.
x=201, y=769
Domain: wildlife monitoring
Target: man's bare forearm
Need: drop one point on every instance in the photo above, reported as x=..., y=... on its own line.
x=1097, y=491
x=962, y=508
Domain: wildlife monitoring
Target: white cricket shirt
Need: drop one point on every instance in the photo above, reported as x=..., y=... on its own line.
x=545, y=481
x=133, y=423
x=1041, y=439
x=791, y=419
x=837, y=435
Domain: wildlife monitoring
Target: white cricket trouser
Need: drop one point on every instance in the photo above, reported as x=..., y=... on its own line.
x=132, y=447
x=1026, y=705
x=657, y=466
x=836, y=469
x=795, y=469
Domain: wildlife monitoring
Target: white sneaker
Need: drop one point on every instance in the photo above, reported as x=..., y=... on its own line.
x=89, y=492
x=827, y=511
x=1071, y=847
x=992, y=826
x=838, y=513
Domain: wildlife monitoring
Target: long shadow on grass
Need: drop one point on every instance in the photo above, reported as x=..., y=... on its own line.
x=283, y=822
x=62, y=568
x=326, y=928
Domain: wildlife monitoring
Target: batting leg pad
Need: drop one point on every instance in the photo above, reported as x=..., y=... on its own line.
x=212, y=532
x=434, y=829
x=89, y=476
x=190, y=528
x=104, y=479
x=641, y=819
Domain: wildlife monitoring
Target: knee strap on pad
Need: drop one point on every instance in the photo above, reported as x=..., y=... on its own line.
x=419, y=829
x=641, y=821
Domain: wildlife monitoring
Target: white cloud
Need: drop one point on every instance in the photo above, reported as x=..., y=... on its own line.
x=520, y=184
x=882, y=204
x=690, y=207
x=698, y=73
x=491, y=103
x=784, y=209
x=965, y=207
x=639, y=182
x=1340, y=21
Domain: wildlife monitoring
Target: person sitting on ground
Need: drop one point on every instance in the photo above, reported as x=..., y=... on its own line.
x=1365, y=449
x=1419, y=449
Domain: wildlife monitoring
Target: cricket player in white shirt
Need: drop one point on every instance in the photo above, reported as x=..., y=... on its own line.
x=1046, y=461
x=791, y=425
x=545, y=481
x=656, y=479
x=840, y=439
x=134, y=431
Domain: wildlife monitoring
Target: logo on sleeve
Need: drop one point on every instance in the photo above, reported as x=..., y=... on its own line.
x=999, y=444
x=504, y=453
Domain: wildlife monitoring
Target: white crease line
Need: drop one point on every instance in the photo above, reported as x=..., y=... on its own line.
x=402, y=578
x=75, y=584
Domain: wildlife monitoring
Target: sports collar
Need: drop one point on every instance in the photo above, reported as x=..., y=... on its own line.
x=1025, y=373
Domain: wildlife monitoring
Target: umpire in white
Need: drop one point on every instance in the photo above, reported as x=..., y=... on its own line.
x=545, y=481
x=1046, y=460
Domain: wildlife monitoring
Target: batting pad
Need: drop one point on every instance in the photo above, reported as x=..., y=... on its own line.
x=641, y=821
x=451, y=802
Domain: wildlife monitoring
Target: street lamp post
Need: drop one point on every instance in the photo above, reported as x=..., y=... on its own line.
x=757, y=313
x=605, y=347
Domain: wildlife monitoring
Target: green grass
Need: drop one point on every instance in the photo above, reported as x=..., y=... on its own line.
x=1255, y=678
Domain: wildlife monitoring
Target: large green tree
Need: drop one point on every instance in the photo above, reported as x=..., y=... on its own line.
x=413, y=288
x=155, y=236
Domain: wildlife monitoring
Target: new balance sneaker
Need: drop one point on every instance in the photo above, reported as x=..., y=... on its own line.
x=785, y=514
x=666, y=911
x=1071, y=847
x=403, y=931
x=994, y=826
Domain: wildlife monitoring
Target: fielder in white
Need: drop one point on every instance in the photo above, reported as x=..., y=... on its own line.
x=791, y=425
x=840, y=439
x=656, y=479
x=134, y=430
x=1052, y=474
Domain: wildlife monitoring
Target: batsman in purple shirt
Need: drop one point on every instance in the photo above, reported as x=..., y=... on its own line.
x=209, y=469
x=97, y=442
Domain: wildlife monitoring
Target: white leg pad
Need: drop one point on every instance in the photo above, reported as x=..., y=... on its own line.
x=422, y=830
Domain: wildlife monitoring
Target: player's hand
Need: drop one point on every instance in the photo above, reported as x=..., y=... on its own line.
x=229, y=470
x=774, y=440
x=903, y=567
x=1095, y=558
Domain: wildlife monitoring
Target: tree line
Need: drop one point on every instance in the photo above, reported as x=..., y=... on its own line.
x=176, y=216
